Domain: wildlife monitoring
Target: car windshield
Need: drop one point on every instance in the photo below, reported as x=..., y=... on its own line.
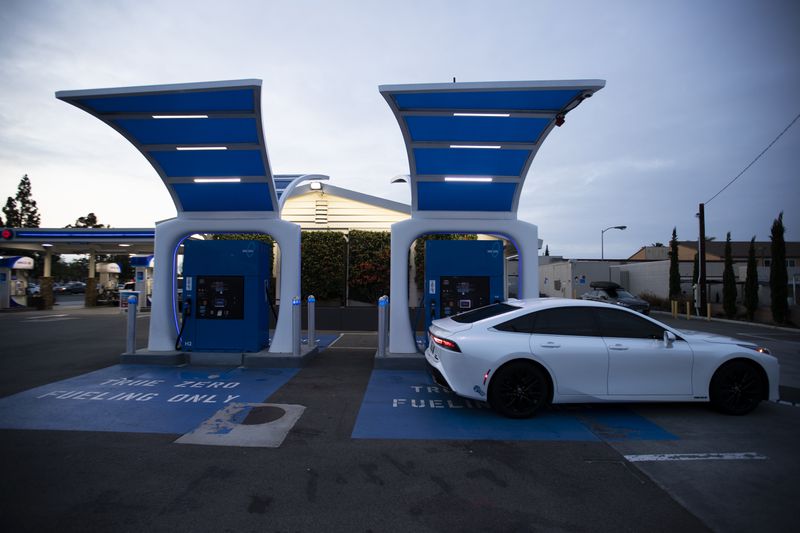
x=624, y=294
x=483, y=312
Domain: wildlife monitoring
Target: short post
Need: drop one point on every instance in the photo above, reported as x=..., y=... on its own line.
x=708, y=312
x=383, y=304
x=688, y=311
x=674, y=306
x=130, y=343
x=312, y=311
x=296, y=325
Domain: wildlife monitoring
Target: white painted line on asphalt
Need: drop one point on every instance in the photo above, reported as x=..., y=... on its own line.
x=786, y=402
x=337, y=339
x=44, y=317
x=695, y=457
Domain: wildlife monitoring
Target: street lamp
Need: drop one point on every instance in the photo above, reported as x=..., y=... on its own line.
x=602, y=254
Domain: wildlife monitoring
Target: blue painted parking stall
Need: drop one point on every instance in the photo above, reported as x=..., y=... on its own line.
x=139, y=398
x=407, y=404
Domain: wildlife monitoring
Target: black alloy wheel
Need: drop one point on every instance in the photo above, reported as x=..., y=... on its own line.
x=518, y=390
x=737, y=388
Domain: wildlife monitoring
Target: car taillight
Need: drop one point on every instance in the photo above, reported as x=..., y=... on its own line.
x=445, y=343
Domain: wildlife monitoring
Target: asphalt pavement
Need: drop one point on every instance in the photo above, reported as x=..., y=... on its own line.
x=323, y=479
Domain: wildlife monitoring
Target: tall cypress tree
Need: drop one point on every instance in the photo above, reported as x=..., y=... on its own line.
x=728, y=282
x=12, y=213
x=751, y=282
x=778, y=276
x=674, y=268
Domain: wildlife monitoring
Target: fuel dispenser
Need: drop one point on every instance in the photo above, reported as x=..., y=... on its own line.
x=143, y=278
x=462, y=275
x=225, y=306
x=108, y=276
x=14, y=281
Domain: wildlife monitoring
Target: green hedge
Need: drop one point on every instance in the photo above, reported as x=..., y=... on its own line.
x=370, y=265
x=323, y=265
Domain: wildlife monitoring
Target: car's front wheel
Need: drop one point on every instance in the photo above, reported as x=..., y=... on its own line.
x=737, y=388
x=518, y=390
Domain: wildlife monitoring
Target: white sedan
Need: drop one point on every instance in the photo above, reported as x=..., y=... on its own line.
x=521, y=355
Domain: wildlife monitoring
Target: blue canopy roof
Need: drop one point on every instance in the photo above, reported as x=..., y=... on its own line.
x=470, y=145
x=204, y=139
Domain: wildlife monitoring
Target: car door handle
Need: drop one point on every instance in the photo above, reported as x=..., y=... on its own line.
x=550, y=345
x=619, y=347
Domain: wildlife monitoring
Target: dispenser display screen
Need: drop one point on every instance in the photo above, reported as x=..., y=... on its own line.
x=462, y=293
x=220, y=297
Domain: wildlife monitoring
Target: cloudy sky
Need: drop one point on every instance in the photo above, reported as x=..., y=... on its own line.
x=695, y=90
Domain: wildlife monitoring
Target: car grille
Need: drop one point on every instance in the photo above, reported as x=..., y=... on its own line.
x=438, y=377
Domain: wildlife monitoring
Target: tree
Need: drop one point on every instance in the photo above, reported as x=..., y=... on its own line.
x=674, y=268
x=546, y=250
x=28, y=211
x=751, y=282
x=728, y=282
x=657, y=244
x=12, y=213
x=778, y=276
x=89, y=221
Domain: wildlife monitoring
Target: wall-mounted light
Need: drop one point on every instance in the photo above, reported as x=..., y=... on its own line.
x=124, y=245
x=315, y=186
x=46, y=244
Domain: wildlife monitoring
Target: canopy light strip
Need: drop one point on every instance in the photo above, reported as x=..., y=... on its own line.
x=179, y=116
x=471, y=179
x=217, y=180
x=502, y=115
x=477, y=146
x=199, y=148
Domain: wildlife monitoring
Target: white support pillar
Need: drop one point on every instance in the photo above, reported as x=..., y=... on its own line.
x=48, y=264
x=523, y=235
x=170, y=233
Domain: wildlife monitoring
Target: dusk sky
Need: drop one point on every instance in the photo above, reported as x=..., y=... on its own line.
x=695, y=90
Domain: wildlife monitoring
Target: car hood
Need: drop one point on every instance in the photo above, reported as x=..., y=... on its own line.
x=700, y=336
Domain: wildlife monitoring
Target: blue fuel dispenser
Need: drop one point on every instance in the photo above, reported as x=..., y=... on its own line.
x=462, y=275
x=226, y=303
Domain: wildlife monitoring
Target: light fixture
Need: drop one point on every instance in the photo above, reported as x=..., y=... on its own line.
x=504, y=115
x=477, y=146
x=315, y=186
x=474, y=179
x=46, y=244
x=124, y=245
x=179, y=116
x=217, y=180
x=199, y=148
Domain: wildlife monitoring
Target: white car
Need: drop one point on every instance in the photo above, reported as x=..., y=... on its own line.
x=521, y=355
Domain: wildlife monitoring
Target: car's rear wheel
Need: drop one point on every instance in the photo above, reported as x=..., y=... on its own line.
x=518, y=390
x=737, y=388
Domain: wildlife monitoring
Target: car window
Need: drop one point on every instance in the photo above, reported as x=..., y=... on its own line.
x=483, y=312
x=521, y=324
x=614, y=323
x=565, y=321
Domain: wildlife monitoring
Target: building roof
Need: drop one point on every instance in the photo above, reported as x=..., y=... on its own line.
x=470, y=145
x=715, y=250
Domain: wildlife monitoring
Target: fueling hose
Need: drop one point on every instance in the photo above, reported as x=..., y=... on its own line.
x=187, y=311
x=414, y=326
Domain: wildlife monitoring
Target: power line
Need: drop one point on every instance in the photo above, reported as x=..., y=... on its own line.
x=764, y=151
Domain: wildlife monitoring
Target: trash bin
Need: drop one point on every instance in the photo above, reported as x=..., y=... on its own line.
x=123, y=299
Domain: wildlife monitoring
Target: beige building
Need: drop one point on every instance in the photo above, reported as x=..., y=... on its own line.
x=320, y=206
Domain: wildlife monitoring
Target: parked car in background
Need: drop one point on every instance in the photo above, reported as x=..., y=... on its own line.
x=33, y=289
x=75, y=287
x=522, y=355
x=59, y=288
x=613, y=293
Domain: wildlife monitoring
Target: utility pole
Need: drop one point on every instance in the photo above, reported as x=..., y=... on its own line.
x=701, y=258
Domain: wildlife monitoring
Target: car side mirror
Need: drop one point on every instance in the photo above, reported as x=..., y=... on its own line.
x=669, y=338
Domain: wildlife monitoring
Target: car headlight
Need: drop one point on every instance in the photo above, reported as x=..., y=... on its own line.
x=759, y=349
x=623, y=304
